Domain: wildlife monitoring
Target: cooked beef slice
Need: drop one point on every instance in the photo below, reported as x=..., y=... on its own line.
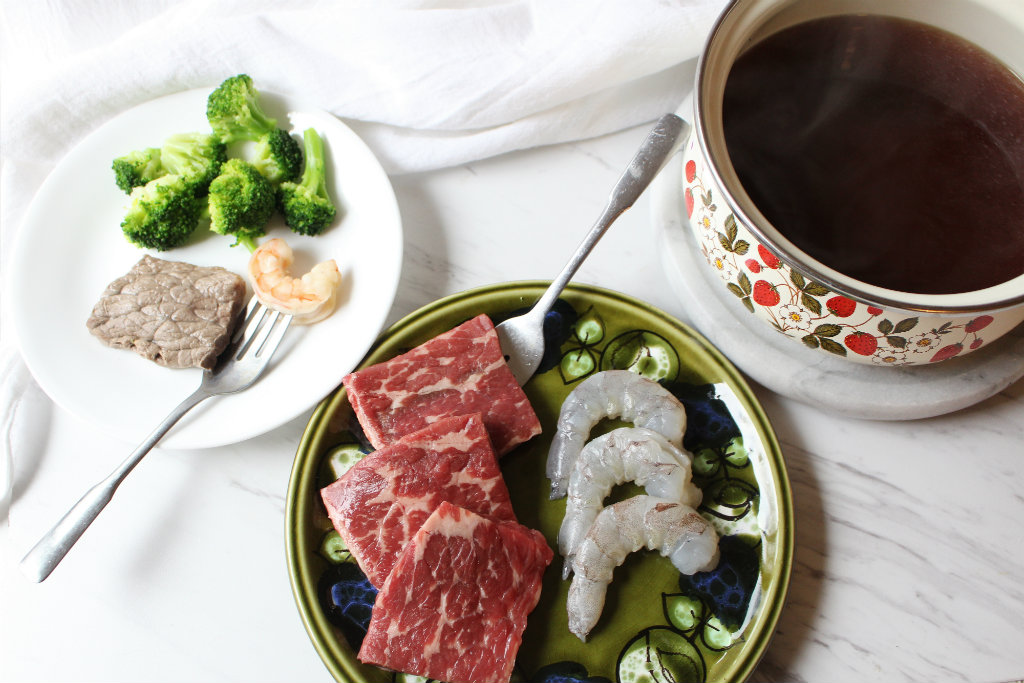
x=176, y=314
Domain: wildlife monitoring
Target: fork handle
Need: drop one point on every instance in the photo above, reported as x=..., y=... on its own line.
x=51, y=548
x=647, y=162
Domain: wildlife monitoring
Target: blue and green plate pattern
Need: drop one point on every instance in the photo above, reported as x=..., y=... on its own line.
x=657, y=626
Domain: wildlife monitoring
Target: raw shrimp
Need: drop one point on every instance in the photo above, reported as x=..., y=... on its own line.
x=626, y=454
x=674, y=529
x=308, y=299
x=611, y=393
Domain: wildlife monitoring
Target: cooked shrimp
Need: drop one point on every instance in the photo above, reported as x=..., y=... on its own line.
x=626, y=454
x=611, y=393
x=674, y=529
x=308, y=299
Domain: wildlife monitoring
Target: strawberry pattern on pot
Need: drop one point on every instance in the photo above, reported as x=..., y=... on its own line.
x=806, y=310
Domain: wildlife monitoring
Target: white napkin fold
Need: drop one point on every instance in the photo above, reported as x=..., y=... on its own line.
x=425, y=83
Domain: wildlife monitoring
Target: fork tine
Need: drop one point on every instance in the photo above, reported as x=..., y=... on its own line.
x=266, y=341
x=253, y=309
x=255, y=324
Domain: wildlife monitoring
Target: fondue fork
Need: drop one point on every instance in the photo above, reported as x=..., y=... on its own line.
x=522, y=337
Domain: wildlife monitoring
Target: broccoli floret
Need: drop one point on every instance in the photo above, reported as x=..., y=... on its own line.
x=306, y=206
x=137, y=168
x=234, y=112
x=163, y=213
x=241, y=202
x=197, y=157
x=235, y=115
x=278, y=157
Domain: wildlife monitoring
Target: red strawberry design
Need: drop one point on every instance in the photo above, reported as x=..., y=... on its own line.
x=840, y=306
x=862, y=343
x=691, y=170
x=770, y=259
x=976, y=343
x=979, y=323
x=765, y=294
x=947, y=352
x=752, y=265
x=874, y=310
x=689, y=202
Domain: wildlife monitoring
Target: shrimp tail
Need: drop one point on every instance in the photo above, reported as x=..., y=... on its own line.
x=590, y=595
x=563, y=445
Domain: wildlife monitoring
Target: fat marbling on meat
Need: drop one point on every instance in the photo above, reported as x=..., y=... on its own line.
x=176, y=314
x=460, y=371
x=455, y=606
x=383, y=500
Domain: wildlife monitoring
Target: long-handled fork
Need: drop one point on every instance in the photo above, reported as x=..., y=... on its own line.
x=240, y=364
x=522, y=337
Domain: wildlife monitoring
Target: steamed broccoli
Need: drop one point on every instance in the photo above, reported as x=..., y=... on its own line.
x=197, y=157
x=235, y=115
x=278, y=157
x=163, y=213
x=241, y=202
x=137, y=168
x=306, y=206
x=234, y=112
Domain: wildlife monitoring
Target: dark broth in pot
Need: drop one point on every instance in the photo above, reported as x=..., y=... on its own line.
x=887, y=149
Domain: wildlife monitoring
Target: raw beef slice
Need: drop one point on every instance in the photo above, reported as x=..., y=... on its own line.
x=458, y=372
x=381, y=502
x=455, y=606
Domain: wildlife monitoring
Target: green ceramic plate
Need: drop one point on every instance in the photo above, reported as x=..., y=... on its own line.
x=657, y=625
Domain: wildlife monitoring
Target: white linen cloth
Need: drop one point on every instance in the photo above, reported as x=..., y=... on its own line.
x=426, y=83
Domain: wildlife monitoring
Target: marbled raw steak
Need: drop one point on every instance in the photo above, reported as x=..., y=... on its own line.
x=381, y=502
x=458, y=372
x=455, y=606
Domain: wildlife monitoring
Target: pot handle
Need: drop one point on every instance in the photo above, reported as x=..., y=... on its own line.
x=685, y=112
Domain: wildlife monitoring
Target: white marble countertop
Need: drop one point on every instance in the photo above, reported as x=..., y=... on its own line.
x=909, y=561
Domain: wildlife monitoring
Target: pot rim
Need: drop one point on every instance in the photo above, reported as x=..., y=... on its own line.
x=988, y=300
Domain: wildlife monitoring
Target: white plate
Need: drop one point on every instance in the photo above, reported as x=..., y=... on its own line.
x=70, y=246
